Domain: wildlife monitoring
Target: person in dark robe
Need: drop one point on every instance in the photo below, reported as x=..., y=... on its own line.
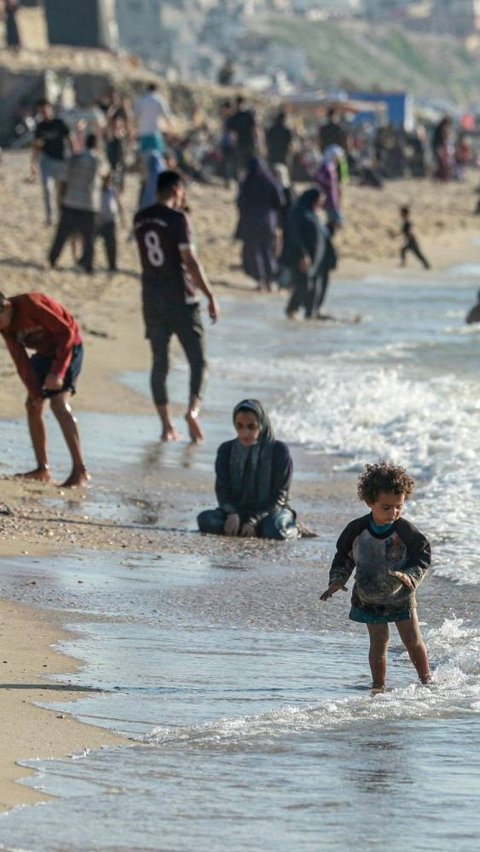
x=308, y=253
x=253, y=477
x=12, y=36
x=260, y=202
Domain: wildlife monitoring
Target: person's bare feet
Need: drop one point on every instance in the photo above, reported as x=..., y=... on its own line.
x=40, y=474
x=77, y=479
x=169, y=434
x=194, y=428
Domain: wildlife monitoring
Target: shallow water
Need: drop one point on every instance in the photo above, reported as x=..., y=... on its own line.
x=247, y=699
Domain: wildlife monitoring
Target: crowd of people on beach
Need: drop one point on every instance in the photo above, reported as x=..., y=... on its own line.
x=287, y=243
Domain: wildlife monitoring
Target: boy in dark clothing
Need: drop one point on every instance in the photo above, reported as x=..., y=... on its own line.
x=410, y=243
x=34, y=321
x=391, y=558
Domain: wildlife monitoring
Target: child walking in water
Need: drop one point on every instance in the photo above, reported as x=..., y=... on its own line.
x=391, y=558
x=410, y=241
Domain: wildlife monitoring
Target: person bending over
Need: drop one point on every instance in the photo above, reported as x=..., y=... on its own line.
x=253, y=476
x=390, y=557
x=34, y=321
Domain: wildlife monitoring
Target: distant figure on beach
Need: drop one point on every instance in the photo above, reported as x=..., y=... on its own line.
x=410, y=243
x=171, y=275
x=242, y=125
x=328, y=180
x=390, y=558
x=309, y=254
x=12, y=35
x=106, y=219
x=51, y=144
x=260, y=202
x=443, y=149
x=474, y=313
x=152, y=114
x=278, y=139
x=253, y=477
x=80, y=203
x=331, y=132
x=35, y=321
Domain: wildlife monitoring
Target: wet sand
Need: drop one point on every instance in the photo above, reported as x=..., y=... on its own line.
x=115, y=513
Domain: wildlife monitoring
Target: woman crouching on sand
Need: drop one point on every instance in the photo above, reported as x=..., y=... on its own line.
x=253, y=476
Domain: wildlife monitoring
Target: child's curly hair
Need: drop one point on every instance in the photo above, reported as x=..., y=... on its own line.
x=384, y=476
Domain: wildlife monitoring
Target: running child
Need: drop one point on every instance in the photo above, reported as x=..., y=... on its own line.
x=35, y=321
x=410, y=240
x=391, y=558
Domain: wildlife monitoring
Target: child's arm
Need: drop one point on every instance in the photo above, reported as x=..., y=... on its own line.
x=418, y=555
x=333, y=587
x=343, y=562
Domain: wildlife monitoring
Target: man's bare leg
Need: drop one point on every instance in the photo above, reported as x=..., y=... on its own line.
x=194, y=428
x=38, y=436
x=79, y=475
x=169, y=433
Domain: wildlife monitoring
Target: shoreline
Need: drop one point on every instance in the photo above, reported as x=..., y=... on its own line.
x=27, y=731
x=109, y=313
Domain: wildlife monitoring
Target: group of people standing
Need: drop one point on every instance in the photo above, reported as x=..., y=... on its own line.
x=287, y=241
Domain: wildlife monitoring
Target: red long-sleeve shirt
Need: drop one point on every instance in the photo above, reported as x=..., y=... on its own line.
x=43, y=325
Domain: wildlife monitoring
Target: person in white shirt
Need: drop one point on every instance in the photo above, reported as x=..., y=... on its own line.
x=151, y=113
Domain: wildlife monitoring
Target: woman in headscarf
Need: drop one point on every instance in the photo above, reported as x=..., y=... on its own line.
x=306, y=253
x=259, y=202
x=327, y=178
x=253, y=476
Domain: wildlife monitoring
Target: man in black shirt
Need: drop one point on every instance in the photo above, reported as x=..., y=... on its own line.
x=52, y=136
x=279, y=139
x=332, y=132
x=243, y=126
x=171, y=275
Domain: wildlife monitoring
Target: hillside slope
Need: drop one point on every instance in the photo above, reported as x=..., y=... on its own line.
x=356, y=54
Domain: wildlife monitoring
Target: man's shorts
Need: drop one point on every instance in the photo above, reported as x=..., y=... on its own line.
x=151, y=142
x=41, y=364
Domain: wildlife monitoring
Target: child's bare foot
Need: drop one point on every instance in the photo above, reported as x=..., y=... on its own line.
x=169, y=434
x=40, y=474
x=194, y=428
x=77, y=479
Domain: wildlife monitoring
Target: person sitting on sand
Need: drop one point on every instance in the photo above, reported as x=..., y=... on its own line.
x=171, y=276
x=253, y=476
x=474, y=313
x=35, y=321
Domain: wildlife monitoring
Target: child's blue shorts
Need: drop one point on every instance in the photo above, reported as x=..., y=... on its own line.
x=369, y=618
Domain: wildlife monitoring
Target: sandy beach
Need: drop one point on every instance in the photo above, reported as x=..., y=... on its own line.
x=108, y=309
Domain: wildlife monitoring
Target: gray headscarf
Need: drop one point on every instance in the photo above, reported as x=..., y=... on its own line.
x=251, y=467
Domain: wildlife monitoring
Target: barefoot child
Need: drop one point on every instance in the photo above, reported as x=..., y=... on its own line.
x=391, y=558
x=34, y=321
x=410, y=242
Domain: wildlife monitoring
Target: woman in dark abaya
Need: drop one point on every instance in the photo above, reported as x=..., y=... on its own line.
x=308, y=253
x=253, y=476
x=259, y=202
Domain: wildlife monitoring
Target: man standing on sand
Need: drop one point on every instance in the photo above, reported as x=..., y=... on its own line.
x=34, y=321
x=151, y=113
x=52, y=138
x=171, y=275
x=81, y=203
